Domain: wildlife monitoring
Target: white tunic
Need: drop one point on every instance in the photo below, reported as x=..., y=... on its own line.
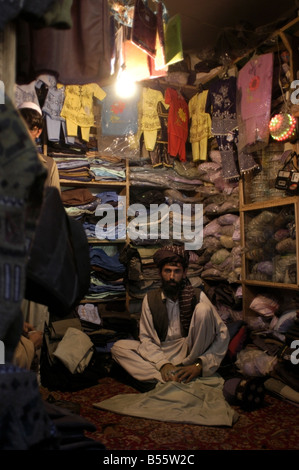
x=207, y=340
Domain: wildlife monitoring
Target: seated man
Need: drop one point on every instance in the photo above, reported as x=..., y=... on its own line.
x=181, y=335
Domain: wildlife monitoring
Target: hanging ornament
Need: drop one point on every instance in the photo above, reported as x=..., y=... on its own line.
x=282, y=127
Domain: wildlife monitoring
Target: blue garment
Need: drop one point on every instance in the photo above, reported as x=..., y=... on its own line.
x=69, y=163
x=84, y=179
x=108, y=196
x=115, y=232
x=98, y=257
x=101, y=173
x=119, y=115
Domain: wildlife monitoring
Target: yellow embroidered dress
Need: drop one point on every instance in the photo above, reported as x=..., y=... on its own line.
x=78, y=107
x=200, y=126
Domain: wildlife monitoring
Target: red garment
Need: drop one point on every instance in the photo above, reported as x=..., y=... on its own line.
x=178, y=118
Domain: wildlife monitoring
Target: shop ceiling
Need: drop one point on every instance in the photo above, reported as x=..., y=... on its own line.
x=204, y=23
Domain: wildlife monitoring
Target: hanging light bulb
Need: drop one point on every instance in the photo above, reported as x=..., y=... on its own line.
x=282, y=127
x=125, y=85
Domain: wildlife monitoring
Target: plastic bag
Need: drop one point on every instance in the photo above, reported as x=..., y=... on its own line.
x=255, y=363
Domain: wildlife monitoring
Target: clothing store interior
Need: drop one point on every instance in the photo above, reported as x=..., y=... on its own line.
x=149, y=267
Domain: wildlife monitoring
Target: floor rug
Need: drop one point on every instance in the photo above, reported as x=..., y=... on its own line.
x=275, y=426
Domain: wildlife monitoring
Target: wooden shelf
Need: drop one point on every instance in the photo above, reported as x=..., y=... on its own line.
x=251, y=287
x=275, y=202
x=292, y=27
x=92, y=183
x=96, y=241
x=273, y=285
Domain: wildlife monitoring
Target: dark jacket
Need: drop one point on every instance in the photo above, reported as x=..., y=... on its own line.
x=157, y=305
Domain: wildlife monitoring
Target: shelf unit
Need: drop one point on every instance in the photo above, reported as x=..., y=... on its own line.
x=273, y=201
x=251, y=285
x=95, y=186
x=122, y=186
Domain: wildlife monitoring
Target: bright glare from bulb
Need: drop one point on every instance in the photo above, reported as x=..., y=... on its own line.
x=125, y=85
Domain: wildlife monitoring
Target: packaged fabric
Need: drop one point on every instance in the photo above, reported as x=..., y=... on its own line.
x=286, y=246
x=228, y=219
x=89, y=313
x=264, y=305
x=173, y=41
x=284, y=322
x=281, y=266
x=255, y=362
x=220, y=256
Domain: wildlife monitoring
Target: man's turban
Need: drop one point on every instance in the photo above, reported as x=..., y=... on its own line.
x=171, y=253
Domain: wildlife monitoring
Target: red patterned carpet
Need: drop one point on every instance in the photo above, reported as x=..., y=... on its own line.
x=273, y=427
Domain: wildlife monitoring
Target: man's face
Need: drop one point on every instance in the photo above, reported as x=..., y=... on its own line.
x=35, y=133
x=172, y=277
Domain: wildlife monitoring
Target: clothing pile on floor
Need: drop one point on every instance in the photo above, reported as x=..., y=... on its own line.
x=283, y=378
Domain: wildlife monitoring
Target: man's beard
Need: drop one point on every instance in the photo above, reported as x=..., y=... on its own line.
x=171, y=288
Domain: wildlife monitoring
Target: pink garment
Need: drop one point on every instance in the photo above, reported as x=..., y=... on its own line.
x=254, y=90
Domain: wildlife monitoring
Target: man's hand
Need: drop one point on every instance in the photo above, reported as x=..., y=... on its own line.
x=37, y=338
x=187, y=373
x=27, y=327
x=168, y=372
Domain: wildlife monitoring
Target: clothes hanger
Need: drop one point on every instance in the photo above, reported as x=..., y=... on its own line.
x=200, y=88
x=160, y=86
x=224, y=75
x=254, y=56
